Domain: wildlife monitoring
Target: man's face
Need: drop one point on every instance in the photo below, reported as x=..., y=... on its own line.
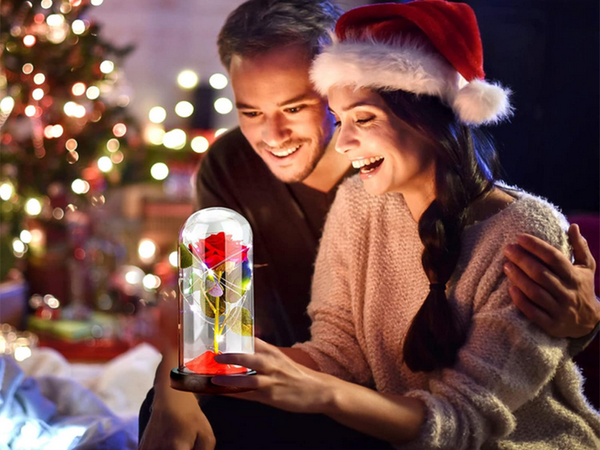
x=284, y=119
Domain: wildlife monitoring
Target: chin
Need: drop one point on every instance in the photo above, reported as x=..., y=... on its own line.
x=374, y=188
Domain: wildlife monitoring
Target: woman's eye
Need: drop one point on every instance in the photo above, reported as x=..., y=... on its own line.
x=337, y=124
x=363, y=121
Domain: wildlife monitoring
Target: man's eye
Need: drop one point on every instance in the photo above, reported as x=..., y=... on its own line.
x=249, y=113
x=295, y=109
x=337, y=124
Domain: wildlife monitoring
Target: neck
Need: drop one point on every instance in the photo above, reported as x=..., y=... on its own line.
x=418, y=200
x=330, y=169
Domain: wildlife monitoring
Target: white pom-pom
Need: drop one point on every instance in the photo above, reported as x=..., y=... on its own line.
x=480, y=103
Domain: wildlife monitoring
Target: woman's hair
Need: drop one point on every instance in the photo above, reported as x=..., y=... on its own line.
x=466, y=166
x=257, y=26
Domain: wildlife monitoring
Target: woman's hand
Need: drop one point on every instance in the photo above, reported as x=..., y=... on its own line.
x=280, y=381
x=550, y=291
x=177, y=423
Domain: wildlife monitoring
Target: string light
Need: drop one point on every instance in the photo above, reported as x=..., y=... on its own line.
x=157, y=114
x=113, y=145
x=6, y=191
x=39, y=78
x=220, y=131
x=199, y=144
x=37, y=94
x=30, y=111
x=55, y=20
x=223, y=105
x=159, y=171
x=78, y=89
x=184, y=109
x=218, y=81
x=107, y=67
x=27, y=68
x=154, y=134
x=173, y=259
x=46, y=4
x=119, y=129
x=71, y=144
x=25, y=236
x=78, y=26
x=187, y=79
x=117, y=157
x=151, y=282
x=146, y=250
x=29, y=40
x=105, y=164
x=7, y=104
x=80, y=186
x=33, y=207
x=175, y=139
x=93, y=92
x=58, y=213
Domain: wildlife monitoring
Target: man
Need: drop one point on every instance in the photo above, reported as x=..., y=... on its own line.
x=280, y=171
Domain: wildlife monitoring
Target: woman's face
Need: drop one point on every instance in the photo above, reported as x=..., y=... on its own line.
x=391, y=156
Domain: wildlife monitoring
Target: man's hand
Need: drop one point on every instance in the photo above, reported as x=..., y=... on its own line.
x=177, y=423
x=550, y=291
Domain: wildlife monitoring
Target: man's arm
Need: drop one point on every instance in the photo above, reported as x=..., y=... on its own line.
x=553, y=293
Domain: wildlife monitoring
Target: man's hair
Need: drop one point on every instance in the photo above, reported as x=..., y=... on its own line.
x=258, y=26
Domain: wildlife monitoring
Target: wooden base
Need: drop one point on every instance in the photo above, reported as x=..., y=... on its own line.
x=201, y=384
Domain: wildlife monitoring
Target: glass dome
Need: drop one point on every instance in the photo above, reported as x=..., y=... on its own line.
x=215, y=297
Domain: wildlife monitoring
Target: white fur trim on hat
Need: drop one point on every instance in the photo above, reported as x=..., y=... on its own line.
x=480, y=102
x=409, y=65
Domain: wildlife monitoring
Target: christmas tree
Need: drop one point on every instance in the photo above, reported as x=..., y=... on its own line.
x=65, y=132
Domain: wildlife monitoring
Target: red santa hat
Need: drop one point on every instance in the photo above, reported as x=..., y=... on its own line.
x=426, y=47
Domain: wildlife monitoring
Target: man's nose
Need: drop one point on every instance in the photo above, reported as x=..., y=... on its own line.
x=275, y=131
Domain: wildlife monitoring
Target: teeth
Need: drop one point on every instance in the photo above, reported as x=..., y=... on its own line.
x=287, y=152
x=358, y=163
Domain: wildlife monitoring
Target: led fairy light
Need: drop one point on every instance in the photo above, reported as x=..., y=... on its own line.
x=218, y=81
x=187, y=79
x=159, y=171
x=200, y=144
x=223, y=105
x=175, y=139
x=184, y=109
x=157, y=114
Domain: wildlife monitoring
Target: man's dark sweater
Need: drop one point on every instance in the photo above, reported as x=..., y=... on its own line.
x=286, y=220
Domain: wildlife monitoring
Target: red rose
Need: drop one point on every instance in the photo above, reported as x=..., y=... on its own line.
x=217, y=247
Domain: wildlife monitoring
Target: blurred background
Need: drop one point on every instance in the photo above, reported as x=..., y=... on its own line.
x=107, y=106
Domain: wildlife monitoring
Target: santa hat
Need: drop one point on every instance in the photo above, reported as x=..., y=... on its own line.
x=426, y=47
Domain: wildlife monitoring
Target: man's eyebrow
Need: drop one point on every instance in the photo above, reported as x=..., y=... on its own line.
x=297, y=99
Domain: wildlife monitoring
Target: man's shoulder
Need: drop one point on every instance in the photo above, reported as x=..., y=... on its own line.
x=227, y=145
x=231, y=156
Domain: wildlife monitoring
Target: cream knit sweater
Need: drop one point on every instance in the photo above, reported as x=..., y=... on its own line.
x=513, y=387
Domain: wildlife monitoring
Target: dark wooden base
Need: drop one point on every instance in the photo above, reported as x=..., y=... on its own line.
x=201, y=384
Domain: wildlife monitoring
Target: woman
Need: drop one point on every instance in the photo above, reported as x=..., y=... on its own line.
x=409, y=293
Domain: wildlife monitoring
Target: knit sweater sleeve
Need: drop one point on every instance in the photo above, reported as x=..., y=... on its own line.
x=334, y=343
x=506, y=360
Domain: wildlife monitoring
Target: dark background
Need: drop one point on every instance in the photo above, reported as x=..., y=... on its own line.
x=547, y=53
